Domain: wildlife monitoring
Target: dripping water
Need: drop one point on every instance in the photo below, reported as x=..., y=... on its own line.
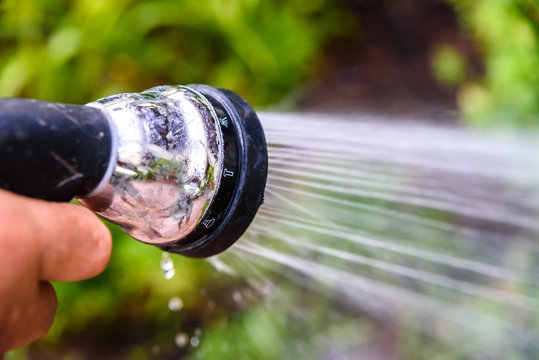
x=167, y=266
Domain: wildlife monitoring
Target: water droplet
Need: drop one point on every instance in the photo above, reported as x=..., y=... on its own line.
x=203, y=292
x=195, y=341
x=181, y=339
x=175, y=304
x=237, y=296
x=166, y=262
x=211, y=304
x=167, y=265
x=156, y=349
x=198, y=332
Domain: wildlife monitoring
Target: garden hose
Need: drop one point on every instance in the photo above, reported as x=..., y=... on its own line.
x=180, y=167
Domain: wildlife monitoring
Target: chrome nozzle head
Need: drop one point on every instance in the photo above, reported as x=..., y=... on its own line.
x=188, y=170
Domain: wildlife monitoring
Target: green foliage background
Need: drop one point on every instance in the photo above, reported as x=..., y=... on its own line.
x=507, y=36
x=76, y=51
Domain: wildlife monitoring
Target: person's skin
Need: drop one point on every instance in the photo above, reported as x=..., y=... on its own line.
x=40, y=242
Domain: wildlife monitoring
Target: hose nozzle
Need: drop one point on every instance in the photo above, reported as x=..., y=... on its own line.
x=180, y=167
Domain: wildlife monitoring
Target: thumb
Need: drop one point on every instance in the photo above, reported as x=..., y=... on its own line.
x=74, y=244
x=69, y=242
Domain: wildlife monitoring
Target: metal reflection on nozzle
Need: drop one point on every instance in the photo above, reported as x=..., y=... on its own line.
x=169, y=152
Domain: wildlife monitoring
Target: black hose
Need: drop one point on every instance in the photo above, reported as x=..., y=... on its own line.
x=52, y=151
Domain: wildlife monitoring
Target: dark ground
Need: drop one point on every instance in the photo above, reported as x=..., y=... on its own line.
x=385, y=67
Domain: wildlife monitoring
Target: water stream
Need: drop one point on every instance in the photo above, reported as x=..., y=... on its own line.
x=428, y=228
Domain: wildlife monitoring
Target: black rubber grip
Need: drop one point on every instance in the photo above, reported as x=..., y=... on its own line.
x=52, y=151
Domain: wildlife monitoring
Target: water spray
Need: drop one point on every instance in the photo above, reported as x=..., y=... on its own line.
x=180, y=167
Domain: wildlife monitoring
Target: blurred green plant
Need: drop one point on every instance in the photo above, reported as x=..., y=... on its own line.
x=449, y=65
x=507, y=35
x=76, y=51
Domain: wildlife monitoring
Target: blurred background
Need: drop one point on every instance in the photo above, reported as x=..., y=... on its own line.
x=404, y=56
x=471, y=62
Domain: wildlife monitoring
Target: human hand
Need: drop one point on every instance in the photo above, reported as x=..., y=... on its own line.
x=40, y=242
